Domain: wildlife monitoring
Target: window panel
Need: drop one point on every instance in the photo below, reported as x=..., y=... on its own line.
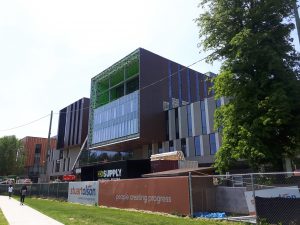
x=197, y=146
x=189, y=118
x=203, y=117
x=132, y=85
x=212, y=144
x=117, y=92
x=171, y=146
x=117, y=119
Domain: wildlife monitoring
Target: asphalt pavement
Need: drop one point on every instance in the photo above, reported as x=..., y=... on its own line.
x=17, y=214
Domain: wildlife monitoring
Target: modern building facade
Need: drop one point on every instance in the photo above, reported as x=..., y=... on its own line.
x=191, y=130
x=72, y=132
x=35, y=149
x=147, y=104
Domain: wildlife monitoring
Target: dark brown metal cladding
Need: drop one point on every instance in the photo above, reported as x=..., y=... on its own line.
x=152, y=120
x=73, y=124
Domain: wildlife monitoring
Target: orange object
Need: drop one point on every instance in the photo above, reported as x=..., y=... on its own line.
x=69, y=177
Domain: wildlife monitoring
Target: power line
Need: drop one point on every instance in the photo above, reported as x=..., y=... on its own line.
x=86, y=108
x=153, y=83
x=26, y=124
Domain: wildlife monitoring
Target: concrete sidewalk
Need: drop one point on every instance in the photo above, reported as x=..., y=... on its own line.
x=17, y=214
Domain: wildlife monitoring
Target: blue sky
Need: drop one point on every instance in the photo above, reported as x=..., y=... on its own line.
x=50, y=50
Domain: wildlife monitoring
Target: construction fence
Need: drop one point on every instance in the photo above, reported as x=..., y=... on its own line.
x=43, y=190
x=272, y=198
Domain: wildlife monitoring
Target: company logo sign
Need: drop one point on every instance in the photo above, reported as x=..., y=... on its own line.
x=114, y=173
x=83, y=192
x=88, y=190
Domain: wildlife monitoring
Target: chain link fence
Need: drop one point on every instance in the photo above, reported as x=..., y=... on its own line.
x=42, y=190
x=277, y=198
x=262, y=198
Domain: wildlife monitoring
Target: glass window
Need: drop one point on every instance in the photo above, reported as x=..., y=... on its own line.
x=117, y=92
x=167, y=124
x=38, y=148
x=61, y=154
x=198, y=150
x=171, y=146
x=212, y=144
x=203, y=117
x=117, y=119
x=176, y=123
x=57, y=164
x=132, y=85
x=183, y=146
x=189, y=118
x=134, y=125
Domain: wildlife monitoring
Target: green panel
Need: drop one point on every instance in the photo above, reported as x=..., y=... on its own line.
x=117, y=92
x=132, y=68
x=102, y=99
x=117, y=77
x=103, y=85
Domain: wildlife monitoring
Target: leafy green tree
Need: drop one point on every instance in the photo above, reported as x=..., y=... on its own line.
x=11, y=156
x=259, y=76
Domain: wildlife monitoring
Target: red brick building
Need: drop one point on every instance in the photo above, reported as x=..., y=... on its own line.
x=35, y=149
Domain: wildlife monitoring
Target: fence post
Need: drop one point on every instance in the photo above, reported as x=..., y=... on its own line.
x=253, y=192
x=57, y=190
x=191, y=195
x=48, y=190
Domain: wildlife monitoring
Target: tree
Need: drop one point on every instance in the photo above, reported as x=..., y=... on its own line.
x=260, y=77
x=11, y=156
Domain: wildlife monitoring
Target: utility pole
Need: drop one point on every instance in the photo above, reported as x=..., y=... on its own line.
x=48, y=146
x=297, y=19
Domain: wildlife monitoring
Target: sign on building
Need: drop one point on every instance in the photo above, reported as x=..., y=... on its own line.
x=83, y=192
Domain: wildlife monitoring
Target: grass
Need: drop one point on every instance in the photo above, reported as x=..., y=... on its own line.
x=69, y=213
x=3, y=221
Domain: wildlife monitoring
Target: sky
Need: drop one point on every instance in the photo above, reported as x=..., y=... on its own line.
x=50, y=50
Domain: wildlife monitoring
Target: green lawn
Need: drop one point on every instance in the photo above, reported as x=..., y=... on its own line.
x=69, y=213
x=3, y=221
